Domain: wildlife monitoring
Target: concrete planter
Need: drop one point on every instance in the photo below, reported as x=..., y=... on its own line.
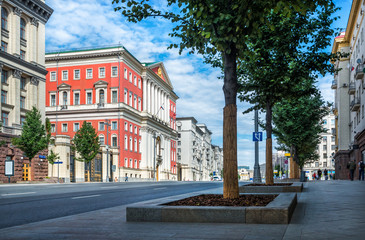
x=279, y=211
x=295, y=187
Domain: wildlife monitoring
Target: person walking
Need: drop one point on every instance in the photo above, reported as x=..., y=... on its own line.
x=325, y=173
x=361, y=170
x=352, y=167
x=319, y=174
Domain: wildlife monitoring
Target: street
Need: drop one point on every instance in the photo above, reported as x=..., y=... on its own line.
x=28, y=203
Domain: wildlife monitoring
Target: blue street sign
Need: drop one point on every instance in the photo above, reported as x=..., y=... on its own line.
x=58, y=162
x=42, y=157
x=257, y=136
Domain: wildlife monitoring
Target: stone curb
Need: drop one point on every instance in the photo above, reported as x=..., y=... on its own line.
x=278, y=211
x=295, y=187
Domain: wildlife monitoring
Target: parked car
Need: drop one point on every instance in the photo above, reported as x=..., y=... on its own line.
x=216, y=178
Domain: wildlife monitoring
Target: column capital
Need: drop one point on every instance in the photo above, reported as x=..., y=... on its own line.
x=34, y=22
x=18, y=11
x=17, y=73
x=34, y=81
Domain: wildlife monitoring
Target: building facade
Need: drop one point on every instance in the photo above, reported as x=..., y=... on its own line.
x=349, y=85
x=131, y=105
x=23, y=71
x=197, y=158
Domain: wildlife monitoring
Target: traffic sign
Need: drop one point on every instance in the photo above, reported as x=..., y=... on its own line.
x=42, y=157
x=257, y=136
x=58, y=162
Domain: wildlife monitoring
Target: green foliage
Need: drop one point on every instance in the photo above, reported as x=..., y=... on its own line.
x=86, y=142
x=298, y=125
x=48, y=130
x=33, y=138
x=52, y=157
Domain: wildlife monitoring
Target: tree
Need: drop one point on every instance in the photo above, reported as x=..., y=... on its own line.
x=216, y=28
x=86, y=143
x=298, y=125
x=278, y=66
x=52, y=157
x=33, y=138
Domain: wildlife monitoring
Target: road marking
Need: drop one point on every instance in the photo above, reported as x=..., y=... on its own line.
x=86, y=196
x=9, y=194
x=159, y=188
x=110, y=187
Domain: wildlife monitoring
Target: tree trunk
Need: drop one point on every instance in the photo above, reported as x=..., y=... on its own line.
x=269, y=171
x=230, y=184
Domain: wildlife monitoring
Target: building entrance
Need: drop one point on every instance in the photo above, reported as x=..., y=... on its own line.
x=25, y=171
x=95, y=170
x=72, y=168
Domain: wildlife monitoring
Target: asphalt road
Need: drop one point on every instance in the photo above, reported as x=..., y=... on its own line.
x=21, y=204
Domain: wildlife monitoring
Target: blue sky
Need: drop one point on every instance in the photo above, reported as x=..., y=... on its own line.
x=93, y=23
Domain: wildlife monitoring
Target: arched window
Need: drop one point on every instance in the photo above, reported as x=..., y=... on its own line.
x=64, y=98
x=4, y=18
x=101, y=96
x=22, y=28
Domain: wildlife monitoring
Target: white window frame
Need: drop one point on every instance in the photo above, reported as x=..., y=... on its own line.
x=125, y=74
x=114, y=125
x=125, y=96
x=116, y=137
x=51, y=79
x=126, y=142
x=131, y=128
x=135, y=101
x=100, y=75
x=130, y=99
x=87, y=75
x=77, y=78
x=77, y=92
x=139, y=104
x=114, y=91
x=86, y=95
x=126, y=126
x=111, y=73
x=135, y=145
x=139, y=146
x=101, y=136
x=126, y=162
x=131, y=144
x=53, y=127
x=139, y=83
x=135, y=80
x=76, y=124
x=63, y=76
x=50, y=99
x=64, y=124
x=130, y=77
x=101, y=126
x=135, y=129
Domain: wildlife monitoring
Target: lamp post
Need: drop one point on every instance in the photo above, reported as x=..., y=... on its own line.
x=154, y=156
x=107, y=124
x=256, y=172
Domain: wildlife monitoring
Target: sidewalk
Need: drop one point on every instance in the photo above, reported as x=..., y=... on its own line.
x=325, y=210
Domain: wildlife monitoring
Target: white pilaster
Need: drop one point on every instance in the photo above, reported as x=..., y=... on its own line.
x=15, y=32
x=33, y=40
x=144, y=95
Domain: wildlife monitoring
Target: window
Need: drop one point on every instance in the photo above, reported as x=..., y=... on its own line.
x=130, y=144
x=4, y=96
x=102, y=72
x=4, y=18
x=101, y=96
x=130, y=164
x=131, y=128
x=135, y=80
x=76, y=127
x=22, y=54
x=135, y=101
x=53, y=100
x=130, y=76
x=53, y=127
x=324, y=138
x=325, y=122
x=114, y=125
x=130, y=98
x=126, y=126
x=89, y=98
x=64, y=127
x=332, y=121
x=324, y=147
x=101, y=140
x=114, y=96
x=64, y=94
x=4, y=46
x=135, y=144
x=4, y=76
x=333, y=138
x=324, y=164
x=89, y=73
x=101, y=126
x=53, y=76
x=179, y=143
x=139, y=146
x=324, y=155
x=22, y=28
x=135, y=130
x=125, y=142
x=333, y=147
x=22, y=83
x=22, y=102
x=77, y=99
x=114, y=141
x=135, y=165
x=125, y=73
x=126, y=163
x=139, y=104
x=77, y=74
x=316, y=164
x=125, y=96
x=5, y=118
x=114, y=71
x=65, y=75
x=139, y=83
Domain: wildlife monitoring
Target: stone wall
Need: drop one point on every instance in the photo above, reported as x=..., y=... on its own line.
x=342, y=157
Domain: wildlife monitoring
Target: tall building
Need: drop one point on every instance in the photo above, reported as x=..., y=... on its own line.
x=23, y=72
x=348, y=84
x=197, y=158
x=131, y=105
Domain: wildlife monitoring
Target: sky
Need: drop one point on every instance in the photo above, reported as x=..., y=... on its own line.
x=93, y=23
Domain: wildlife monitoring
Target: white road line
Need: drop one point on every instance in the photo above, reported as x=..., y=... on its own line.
x=110, y=187
x=10, y=194
x=159, y=188
x=86, y=196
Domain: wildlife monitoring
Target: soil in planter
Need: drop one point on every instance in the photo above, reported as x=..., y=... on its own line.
x=218, y=200
x=263, y=184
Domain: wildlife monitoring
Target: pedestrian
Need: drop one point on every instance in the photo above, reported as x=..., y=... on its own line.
x=115, y=179
x=126, y=179
x=361, y=170
x=325, y=173
x=314, y=176
x=319, y=174
x=331, y=176
x=352, y=167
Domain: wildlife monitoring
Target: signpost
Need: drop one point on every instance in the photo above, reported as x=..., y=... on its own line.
x=58, y=172
x=9, y=168
x=256, y=137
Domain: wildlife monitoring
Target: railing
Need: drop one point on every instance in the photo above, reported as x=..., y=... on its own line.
x=355, y=104
x=352, y=88
x=359, y=72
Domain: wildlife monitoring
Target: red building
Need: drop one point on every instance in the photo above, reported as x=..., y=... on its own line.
x=112, y=90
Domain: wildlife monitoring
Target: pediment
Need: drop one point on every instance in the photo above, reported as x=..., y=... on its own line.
x=101, y=84
x=159, y=69
x=64, y=86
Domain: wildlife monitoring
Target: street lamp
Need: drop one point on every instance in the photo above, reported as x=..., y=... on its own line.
x=107, y=124
x=154, y=156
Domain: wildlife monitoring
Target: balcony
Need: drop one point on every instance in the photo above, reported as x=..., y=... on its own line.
x=63, y=107
x=352, y=88
x=100, y=105
x=334, y=84
x=355, y=105
x=359, y=72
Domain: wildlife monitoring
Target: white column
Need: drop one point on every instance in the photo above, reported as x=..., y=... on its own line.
x=15, y=32
x=144, y=94
x=14, y=96
x=167, y=113
x=41, y=44
x=153, y=102
x=158, y=102
x=33, y=40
